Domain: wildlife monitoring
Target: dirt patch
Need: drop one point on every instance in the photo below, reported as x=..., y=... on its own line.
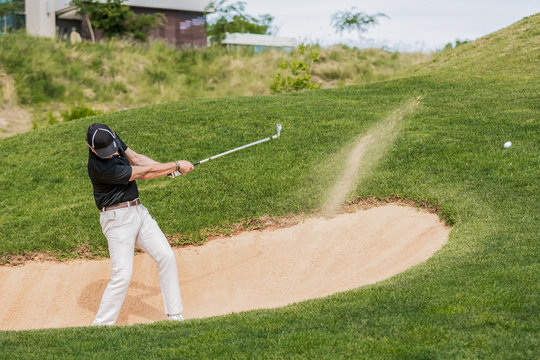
x=14, y=120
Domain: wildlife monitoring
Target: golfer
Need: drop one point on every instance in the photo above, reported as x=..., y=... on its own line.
x=113, y=169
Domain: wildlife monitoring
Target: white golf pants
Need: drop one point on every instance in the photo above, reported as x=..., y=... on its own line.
x=123, y=228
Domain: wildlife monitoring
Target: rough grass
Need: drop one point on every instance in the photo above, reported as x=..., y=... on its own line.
x=476, y=298
x=55, y=76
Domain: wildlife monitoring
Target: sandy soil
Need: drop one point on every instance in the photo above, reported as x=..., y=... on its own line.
x=14, y=120
x=257, y=269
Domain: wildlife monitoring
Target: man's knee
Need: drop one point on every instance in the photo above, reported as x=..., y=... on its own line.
x=167, y=259
x=121, y=278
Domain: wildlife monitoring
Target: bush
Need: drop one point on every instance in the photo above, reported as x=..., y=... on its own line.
x=42, y=88
x=156, y=75
x=51, y=118
x=450, y=45
x=78, y=112
x=300, y=72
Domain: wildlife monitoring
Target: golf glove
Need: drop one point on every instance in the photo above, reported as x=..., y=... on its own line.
x=174, y=174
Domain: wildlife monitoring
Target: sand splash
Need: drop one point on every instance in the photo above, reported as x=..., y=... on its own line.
x=364, y=155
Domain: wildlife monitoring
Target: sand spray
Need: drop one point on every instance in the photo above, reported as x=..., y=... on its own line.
x=364, y=155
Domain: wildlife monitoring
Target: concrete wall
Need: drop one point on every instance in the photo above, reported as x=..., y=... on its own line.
x=40, y=18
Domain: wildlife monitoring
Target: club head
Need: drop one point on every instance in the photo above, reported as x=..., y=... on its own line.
x=278, y=126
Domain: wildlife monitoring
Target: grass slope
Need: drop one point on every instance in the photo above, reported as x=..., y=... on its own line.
x=476, y=298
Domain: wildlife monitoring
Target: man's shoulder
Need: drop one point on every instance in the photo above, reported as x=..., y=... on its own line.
x=95, y=164
x=109, y=171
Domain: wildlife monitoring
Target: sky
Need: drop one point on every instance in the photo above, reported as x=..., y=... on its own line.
x=414, y=25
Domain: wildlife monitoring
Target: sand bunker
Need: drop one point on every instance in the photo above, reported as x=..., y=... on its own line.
x=256, y=269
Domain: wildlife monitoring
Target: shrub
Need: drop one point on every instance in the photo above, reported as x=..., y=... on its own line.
x=450, y=45
x=41, y=88
x=51, y=118
x=78, y=112
x=300, y=73
x=156, y=75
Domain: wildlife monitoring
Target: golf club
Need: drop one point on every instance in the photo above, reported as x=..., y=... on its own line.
x=278, y=126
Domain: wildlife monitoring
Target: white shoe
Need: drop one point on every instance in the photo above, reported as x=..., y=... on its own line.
x=177, y=317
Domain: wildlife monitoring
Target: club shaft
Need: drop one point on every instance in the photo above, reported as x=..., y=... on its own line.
x=233, y=150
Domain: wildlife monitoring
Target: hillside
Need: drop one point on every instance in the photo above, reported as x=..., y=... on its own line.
x=55, y=77
x=475, y=298
x=511, y=53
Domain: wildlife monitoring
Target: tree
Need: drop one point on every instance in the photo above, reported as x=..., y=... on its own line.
x=140, y=25
x=10, y=8
x=231, y=18
x=353, y=20
x=116, y=19
x=85, y=8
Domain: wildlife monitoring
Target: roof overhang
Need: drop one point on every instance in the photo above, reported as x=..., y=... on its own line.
x=68, y=13
x=259, y=40
x=185, y=5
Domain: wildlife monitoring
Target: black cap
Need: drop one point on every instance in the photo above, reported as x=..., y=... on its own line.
x=102, y=139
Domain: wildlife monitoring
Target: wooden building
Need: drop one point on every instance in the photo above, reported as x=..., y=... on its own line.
x=184, y=25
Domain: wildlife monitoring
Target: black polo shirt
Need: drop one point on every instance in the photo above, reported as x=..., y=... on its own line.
x=110, y=178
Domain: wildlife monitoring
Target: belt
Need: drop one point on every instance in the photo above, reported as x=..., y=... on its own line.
x=122, y=205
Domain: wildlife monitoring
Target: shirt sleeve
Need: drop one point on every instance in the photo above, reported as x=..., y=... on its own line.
x=112, y=174
x=120, y=175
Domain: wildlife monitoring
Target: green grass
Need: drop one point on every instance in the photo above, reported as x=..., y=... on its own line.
x=275, y=178
x=478, y=297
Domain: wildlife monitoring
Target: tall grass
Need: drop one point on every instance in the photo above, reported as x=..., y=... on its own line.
x=54, y=76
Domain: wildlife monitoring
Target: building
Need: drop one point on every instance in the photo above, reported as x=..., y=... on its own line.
x=259, y=42
x=185, y=22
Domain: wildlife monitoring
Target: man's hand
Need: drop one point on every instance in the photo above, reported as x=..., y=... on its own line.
x=184, y=166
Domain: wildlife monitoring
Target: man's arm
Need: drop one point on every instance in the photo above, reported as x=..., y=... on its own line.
x=136, y=159
x=144, y=168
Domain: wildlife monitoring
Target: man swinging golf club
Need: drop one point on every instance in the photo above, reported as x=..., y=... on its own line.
x=113, y=169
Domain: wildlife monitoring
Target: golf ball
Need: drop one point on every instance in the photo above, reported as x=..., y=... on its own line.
x=507, y=144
